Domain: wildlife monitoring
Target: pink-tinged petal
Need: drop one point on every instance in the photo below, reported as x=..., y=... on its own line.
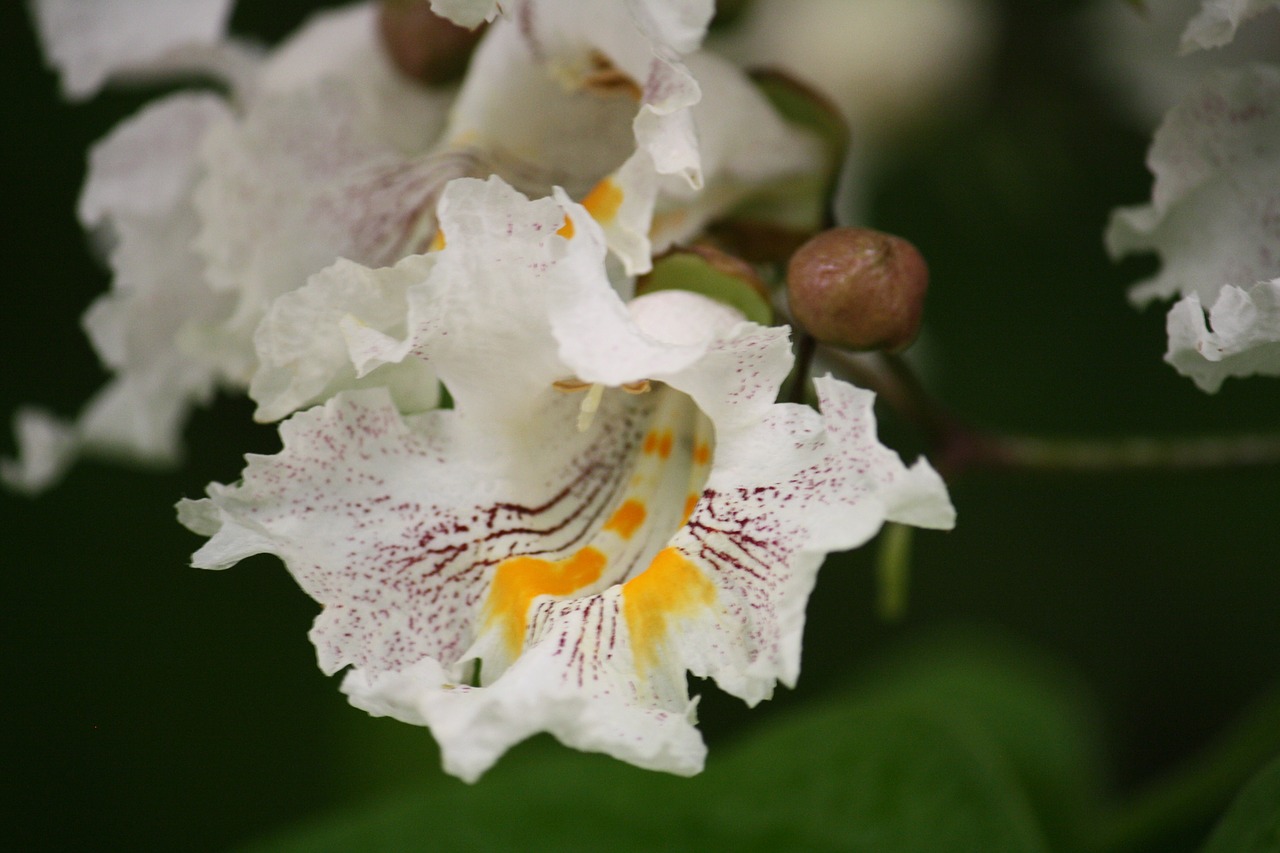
x=782, y=493
x=146, y=167
x=1218, y=20
x=1241, y=337
x=1214, y=217
x=300, y=182
x=92, y=42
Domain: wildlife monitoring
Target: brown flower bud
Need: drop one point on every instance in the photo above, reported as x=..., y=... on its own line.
x=422, y=45
x=858, y=288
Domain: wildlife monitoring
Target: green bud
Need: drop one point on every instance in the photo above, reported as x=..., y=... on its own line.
x=858, y=288
x=422, y=45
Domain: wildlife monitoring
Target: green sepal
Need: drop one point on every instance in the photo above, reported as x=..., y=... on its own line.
x=688, y=270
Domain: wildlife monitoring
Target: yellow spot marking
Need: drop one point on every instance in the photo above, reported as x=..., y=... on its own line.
x=603, y=201
x=665, y=443
x=518, y=581
x=627, y=519
x=670, y=587
x=702, y=453
x=566, y=230
x=689, y=503
x=651, y=443
x=437, y=242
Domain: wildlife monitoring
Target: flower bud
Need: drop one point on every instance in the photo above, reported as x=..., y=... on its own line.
x=858, y=288
x=422, y=45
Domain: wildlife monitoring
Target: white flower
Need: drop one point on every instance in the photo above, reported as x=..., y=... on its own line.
x=1215, y=220
x=615, y=499
x=218, y=207
x=1214, y=216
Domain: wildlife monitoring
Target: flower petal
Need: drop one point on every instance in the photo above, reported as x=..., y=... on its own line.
x=1215, y=211
x=302, y=180
x=1244, y=341
x=324, y=337
x=90, y=43
x=1217, y=21
x=145, y=328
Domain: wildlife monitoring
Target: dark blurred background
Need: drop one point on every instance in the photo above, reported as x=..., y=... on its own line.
x=148, y=705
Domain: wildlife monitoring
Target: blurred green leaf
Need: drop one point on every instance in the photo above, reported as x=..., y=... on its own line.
x=1252, y=824
x=954, y=747
x=1039, y=719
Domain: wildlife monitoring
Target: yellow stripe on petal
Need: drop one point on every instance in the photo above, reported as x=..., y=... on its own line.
x=671, y=587
x=603, y=201
x=518, y=581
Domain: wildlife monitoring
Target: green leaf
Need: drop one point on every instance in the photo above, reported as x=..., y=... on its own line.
x=1252, y=824
x=1040, y=719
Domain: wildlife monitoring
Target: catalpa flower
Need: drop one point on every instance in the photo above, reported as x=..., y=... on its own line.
x=218, y=206
x=615, y=499
x=1214, y=219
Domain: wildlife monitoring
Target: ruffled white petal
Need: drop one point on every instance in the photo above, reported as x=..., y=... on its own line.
x=1217, y=21
x=1214, y=217
x=303, y=179
x=322, y=338
x=1241, y=337
x=92, y=42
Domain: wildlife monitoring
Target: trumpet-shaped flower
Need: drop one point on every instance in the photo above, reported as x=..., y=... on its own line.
x=614, y=501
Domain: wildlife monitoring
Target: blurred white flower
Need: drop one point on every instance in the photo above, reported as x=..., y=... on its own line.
x=1214, y=218
x=214, y=206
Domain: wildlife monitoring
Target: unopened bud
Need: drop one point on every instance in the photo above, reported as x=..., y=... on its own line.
x=422, y=45
x=858, y=288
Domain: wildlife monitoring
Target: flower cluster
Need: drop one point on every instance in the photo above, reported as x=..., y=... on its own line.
x=526, y=498
x=1214, y=216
